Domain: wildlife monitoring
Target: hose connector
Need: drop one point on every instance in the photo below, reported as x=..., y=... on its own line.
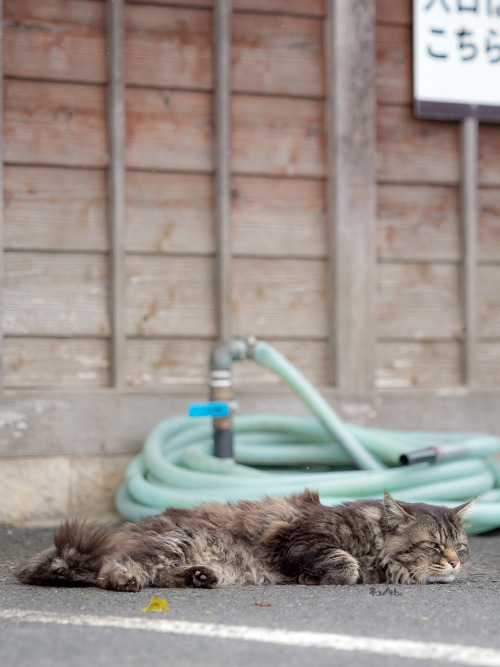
x=221, y=390
x=427, y=455
x=472, y=447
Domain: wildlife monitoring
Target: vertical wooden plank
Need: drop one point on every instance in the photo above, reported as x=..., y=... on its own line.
x=350, y=52
x=469, y=148
x=116, y=196
x=222, y=92
x=1, y=206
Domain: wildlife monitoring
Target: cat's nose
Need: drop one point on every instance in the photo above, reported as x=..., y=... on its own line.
x=452, y=558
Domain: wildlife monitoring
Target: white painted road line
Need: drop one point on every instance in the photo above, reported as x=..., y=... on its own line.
x=404, y=648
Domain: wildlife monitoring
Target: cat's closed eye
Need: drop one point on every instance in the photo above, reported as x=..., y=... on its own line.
x=432, y=545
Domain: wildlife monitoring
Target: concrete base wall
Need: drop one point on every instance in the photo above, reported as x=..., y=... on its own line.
x=46, y=490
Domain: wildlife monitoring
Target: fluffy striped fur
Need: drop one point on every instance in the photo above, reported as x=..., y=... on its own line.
x=292, y=540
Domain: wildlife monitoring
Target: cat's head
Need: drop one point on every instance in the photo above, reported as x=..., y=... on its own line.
x=429, y=542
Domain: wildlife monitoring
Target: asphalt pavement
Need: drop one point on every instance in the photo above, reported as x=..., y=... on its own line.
x=453, y=624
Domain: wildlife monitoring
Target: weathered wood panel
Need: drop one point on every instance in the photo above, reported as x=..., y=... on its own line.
x=488, y=299
x=271, y=54
x=38, y=363
x=418, y=301
x=55, y=209
x=489, y=224
x=299, y=7
x=489, y=150
x=285, y=298
x=168, y=130
x=54, y=123
x=55, y=295
x=103, y=422
x=409, y=365
x=173, y=296
x=419, y=223
x=168, y=46
x=397, y=12
x=311, y=7
x=54, y=40
x=278, y=136
x=64, y=124
x=277, y=55
x=488, y=364
x=183, y=3
x=170, y=296
x=169, y=213
x=157, y=364
x=415, y=151
x=64, y=209
x=393, y=68
x=279, y=217
x=164, y=46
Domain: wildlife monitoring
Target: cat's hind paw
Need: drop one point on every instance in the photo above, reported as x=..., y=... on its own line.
x=200, y=576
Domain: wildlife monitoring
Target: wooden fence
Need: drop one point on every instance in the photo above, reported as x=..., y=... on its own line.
x=344, y=241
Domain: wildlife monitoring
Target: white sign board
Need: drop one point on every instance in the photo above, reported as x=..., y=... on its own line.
x=457, y=58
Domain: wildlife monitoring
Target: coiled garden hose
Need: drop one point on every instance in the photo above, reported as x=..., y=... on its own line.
x=280, y=455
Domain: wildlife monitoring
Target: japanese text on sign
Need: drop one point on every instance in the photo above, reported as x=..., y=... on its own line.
x=457, y=51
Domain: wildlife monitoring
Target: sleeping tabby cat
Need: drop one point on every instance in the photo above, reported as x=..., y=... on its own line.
x=292, y=540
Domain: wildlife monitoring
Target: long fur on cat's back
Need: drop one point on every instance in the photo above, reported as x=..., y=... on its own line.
x=293, y=540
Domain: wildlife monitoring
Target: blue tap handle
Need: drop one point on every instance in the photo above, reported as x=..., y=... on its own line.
x=210, y=409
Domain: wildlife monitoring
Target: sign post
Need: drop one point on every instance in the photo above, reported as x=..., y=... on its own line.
x=456, y=63
x=469, y=206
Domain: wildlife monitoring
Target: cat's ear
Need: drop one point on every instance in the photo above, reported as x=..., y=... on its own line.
x=461, y=509
x=394, y=511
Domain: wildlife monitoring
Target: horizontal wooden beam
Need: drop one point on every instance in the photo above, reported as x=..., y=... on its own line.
x=105, y=422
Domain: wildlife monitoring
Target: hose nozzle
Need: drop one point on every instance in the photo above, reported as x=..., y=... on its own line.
x=427, y=455
x=473, y=447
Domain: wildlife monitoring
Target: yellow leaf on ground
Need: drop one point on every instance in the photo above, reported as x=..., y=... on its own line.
x=156, y=604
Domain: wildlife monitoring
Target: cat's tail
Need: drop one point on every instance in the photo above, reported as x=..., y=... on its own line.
x=77, y=556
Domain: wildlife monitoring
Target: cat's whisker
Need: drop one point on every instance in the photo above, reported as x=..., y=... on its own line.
x=423, y=578
x=420, y=570
x=473, y=570
x=476, y=558
x=471, y=564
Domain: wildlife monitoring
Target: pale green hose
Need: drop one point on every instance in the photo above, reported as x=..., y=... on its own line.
x=177, y=469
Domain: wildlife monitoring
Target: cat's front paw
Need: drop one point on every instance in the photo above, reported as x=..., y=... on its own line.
x=122, y=581
x=200, y=576
x=307, y=580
